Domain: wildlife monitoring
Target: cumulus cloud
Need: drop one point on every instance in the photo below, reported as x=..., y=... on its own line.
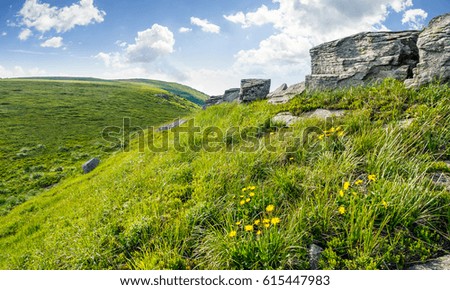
x=18, y=71
x=150, y=44
x=300, y=25
x=415, y=18
x=25, y=34
x=43, y=17
x=205, y=25
x=184, y=30
x=54, y=42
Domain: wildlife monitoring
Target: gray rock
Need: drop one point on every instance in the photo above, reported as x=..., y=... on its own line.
x=285, y=118
x=314, y=256
x=278, y=92
x=90, y=165
x=289, y=119
x=172, y=125
x=213, y=100
x=441, y=179
x=362, y=59
x=231, y=95
x=434, y=52
x=442, y=263
x=253, y=90
x=284, y=96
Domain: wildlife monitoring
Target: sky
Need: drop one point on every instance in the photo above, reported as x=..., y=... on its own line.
x=207, y=44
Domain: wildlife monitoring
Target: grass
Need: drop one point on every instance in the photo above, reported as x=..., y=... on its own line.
x=359, y=188
x=50, y=127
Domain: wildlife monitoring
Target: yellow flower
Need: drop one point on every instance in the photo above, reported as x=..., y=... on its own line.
x=258, y=233
x=252, y=194
x=270, y=208
x=342, y=210
x=248, y=228
x=291, y=159
x=252, y=187
x=339, y=129
x=232, y=234
x=266, y=225
x=244, y=189
x=257, y=222
x=385, y=204
x=247, y=200
x=238, y=223
x=341, y=193
x=332, y=130
x=346, y=185
x=275, y=221
x=266, y=221
x=321, y=137
x=242, y=202
x=242, y=196
x=372, y=177
x=359, y=182
x=341, y=133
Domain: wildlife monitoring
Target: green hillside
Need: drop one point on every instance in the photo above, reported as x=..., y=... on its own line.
x=49, y=128
x=239, y=192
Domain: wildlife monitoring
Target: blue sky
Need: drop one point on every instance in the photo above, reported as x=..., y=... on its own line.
x=208, y=44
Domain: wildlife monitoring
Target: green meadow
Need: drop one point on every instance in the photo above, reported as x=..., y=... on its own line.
x=231, y=189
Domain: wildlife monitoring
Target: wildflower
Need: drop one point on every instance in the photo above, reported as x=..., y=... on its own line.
x=232, y=234
x=346, y=185
x=332, y=130
x=252, y=194
x=291, y=159
x=244, y=189
x=341, y=193
x=385, y=204
x=270, y=208
x=242, y=202
x=248, y=228
x=238, y=223
x=321, y=137
x=341, y=134
x=258, y=233
x=339, y=128
x=242, y=196
x=342, y=210
x=275, y=221
x=266, y=221
x=372, y=177
x=257, y=222
x=359, y=182
x=267, y=225
x=252, y=187
x=247, y=200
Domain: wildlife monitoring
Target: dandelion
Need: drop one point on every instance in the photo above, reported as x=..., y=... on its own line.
x=385, y=204
x=372, y=177
x=242, y=196
x=267, y=225
x=258, y=233
x=238, y=223
x=359, y=182
x=270, y=208
x=242, y=202
x=341, y=134
x=321, y=137
x=342, y=210
x=346, y=185
x=232, y=234
x=252, y=187
x=339, y=128
x=257, y=222
x=266, y=221
x=252, y=194
x=341, y=193
x=247, y=200
x=244, y=189
x=275, y=221
x=248, y=228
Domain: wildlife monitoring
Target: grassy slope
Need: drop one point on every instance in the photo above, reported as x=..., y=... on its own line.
x=50, y=127
x=176, y=210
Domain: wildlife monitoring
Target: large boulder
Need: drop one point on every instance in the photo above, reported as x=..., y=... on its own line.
x=90, y=165
x=434, y=52
x=231, y=95
x=363, y=58
x=213, y=100
x=253, y=90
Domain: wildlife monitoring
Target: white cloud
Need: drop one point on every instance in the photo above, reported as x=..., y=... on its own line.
x=18, y=71
x=25, y=34
x=205, y=25
x=54, y=42
x=415, y=18
x=184, y=30
x=150, y=44
x=300, y=25
x=43, y=17
x=4, y=33
x=112, y=60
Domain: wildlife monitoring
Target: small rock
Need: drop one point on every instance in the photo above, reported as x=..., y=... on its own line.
x=442, y=263
x=286, y=118
x=172, y=125
x=441, y=179
x=324, y=114
x=90, y=165
x=253, y=90
x=314, y=256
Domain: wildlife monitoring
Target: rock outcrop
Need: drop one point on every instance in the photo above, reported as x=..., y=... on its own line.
x=434, y=53
x=284, y=93
x=362, y=59
x=90, y=165
x=442, y=263
x=213, y=100
x=231, y=95
x=289, y=119
x=172, y=125
x=253, y=90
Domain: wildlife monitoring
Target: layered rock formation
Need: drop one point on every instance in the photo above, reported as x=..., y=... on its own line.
x=434, y=53
x=284, y=93
x=363, y=58
x=254, y=89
